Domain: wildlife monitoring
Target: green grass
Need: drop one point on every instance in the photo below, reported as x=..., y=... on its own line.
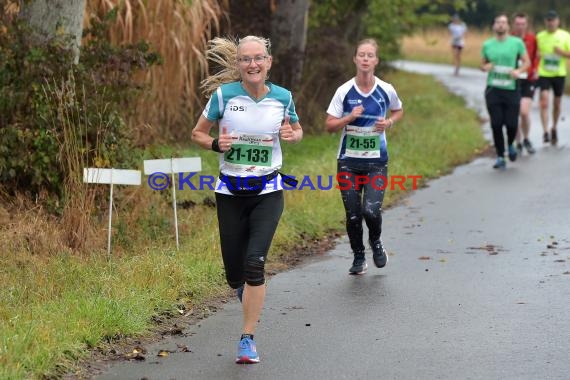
x=52, y=309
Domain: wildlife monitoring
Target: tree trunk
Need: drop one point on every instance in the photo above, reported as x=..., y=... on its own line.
x=50, y=18
x=288, y=38
x=249, y=17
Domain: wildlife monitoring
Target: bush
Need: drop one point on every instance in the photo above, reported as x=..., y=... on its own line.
x=47, y=103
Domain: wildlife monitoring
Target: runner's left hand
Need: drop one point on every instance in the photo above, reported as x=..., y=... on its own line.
x=286, y=131
x=381, y=124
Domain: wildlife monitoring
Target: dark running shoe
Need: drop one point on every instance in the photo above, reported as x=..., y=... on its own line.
x=545, y=137
x=519, y=148
x=359, y=265
x=528, y=146
x=239, y=293
x=379, y=254
x=512, y=152
x=553, y=137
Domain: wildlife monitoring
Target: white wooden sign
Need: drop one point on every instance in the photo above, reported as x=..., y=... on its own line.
x=173, y=165
x=111, y=177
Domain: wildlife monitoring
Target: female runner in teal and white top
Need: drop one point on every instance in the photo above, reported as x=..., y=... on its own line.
x=254, y=126
x=360, y=109
x=253, y=115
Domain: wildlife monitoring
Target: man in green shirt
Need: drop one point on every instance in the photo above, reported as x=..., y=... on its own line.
x=500, y=58
x=553, y=48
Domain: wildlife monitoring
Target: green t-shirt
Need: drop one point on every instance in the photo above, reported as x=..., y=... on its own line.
x=552, y=64
x=504, y=55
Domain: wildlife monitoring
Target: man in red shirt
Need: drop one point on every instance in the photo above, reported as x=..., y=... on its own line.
x=527, y=81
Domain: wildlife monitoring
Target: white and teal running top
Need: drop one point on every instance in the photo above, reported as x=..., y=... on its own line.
x=358, y=140
x=254, y=126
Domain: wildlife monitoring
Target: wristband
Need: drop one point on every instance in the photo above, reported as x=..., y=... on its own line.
x=391, y=122
x=216, y=146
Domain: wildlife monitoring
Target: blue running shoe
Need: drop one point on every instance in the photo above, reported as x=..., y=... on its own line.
x=247, y=352
x=239, y=293
x=512, y=152
x=500, y=163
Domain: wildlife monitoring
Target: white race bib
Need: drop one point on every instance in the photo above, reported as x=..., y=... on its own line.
x=250, y=154
x=362, y=142
x=501, y=76
x=551, y=62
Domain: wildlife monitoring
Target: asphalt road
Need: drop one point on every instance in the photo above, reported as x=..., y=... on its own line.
x=477, y=286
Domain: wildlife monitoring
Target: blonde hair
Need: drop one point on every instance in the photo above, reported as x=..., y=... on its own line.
x=366, y=41
x=224, y=52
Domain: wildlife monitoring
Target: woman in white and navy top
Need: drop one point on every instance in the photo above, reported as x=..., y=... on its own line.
x=363, y=109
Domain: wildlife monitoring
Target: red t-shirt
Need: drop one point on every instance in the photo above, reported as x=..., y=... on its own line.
x=532, y=50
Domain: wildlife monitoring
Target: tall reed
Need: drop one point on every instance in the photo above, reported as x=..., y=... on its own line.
x=69, y=121
x=179, y=30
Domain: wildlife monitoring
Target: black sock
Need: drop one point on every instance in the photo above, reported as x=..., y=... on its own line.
x=250, y=336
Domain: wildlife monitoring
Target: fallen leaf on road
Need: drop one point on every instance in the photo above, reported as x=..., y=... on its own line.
x=183, y=348
x=162, y=353
x=424, y=258
x=136, y=354
x=560, y=261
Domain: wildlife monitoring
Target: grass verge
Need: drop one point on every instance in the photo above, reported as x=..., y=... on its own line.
x=433, y=45
x=54, y=308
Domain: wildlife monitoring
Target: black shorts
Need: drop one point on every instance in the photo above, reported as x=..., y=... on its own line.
x=527, y=88
x=457, y=47
x=247, y=226
x=556, y=83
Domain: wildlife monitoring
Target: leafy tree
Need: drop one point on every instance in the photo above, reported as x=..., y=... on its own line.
x=385, y=20
x=481, y=13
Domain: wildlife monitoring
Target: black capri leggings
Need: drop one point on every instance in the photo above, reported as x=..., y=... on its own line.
x=503, y=107
x=363, y=201
x=247, y=226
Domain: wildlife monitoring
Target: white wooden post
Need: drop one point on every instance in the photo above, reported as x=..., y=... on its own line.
x=173, y=166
